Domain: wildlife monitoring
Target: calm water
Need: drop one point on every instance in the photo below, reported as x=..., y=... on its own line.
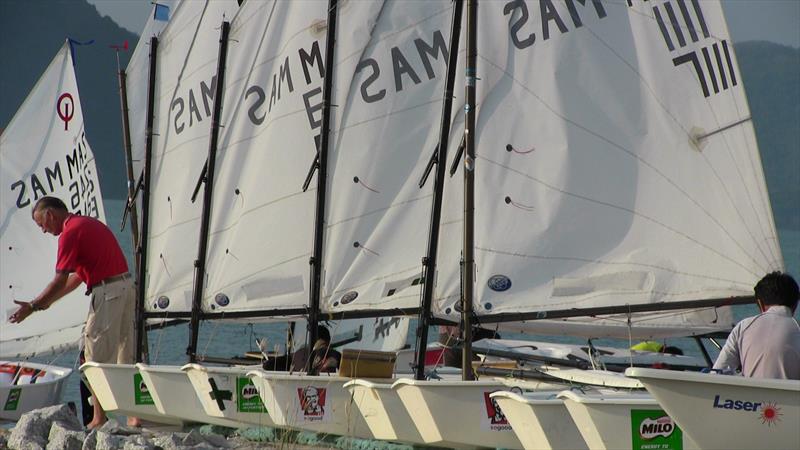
x=168, y=346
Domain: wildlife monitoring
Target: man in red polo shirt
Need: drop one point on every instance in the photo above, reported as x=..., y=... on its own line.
x=88, y=252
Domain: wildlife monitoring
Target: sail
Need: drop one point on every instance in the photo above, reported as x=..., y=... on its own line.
x=388, y=87
x=43, y=152
x=616, y=163
x=262, y=222
x=187, y=61
x=136, y=76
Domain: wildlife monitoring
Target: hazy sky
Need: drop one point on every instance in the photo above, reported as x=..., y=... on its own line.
x=766, y=20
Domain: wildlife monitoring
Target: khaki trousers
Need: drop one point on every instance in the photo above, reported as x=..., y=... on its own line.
x=109, y=331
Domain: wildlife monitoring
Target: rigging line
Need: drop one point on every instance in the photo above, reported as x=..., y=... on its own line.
x=254, y=209
x=756, y=169
x=378, y=210
x=613, y=144
x=629, y=210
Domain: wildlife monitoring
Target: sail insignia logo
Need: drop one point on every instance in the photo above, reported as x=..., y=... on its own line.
x=65, y=107
x=499, y=283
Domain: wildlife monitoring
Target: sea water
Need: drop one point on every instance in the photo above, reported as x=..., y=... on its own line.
x=168, y=345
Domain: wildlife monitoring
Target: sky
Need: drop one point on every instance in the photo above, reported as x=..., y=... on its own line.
x=764, y=20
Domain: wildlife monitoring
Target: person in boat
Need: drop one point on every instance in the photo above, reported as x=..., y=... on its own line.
x=449, y=337
x=323, y=358
x=89, y=253
x=766, y=345
x=656, y=347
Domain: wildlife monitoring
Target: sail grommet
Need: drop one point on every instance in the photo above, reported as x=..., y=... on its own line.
x=162, y=302
x=222, y=300
x=349, y=297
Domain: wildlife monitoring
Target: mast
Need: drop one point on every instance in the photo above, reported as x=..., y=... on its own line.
x=469, y=192
x=141, y=253
x=126, y=144
x=200, y=262
x=322, y=178
x=429, y=262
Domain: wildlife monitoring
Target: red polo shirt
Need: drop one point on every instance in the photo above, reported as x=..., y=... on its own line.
x=87, y=247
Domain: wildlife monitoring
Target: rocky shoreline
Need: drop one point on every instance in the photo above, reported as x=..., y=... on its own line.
x=57, y=428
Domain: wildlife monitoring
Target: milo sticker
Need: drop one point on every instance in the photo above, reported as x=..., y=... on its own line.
x=247, y=398
x=141, y=394
x=12, y=401
x=653, y=429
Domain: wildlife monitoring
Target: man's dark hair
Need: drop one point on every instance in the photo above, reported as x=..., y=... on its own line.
x=778, y=288
x=49, y=203
x=323, y=333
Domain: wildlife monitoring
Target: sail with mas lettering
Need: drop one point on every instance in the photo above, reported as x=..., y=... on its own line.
x=43, y=152
x=616, y=164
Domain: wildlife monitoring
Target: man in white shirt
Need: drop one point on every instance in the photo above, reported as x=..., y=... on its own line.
x=767, y=345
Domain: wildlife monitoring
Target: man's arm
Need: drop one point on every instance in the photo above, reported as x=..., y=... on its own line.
x=61, y=285
x=729, y=359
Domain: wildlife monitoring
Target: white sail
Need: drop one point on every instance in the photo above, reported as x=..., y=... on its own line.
x=388, y=87
x=43, y=152
x=136, y=77
x=616, y=163
x=262, y=222
x=187, y=61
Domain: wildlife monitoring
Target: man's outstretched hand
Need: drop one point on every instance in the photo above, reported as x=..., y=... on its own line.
x=25, y=310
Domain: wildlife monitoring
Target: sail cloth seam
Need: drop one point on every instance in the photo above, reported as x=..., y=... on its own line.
x=662, y=294
x=643, y=161
x=375, y=211
x=264, y=269
x=689, y=137
x=409, y=270
x=256, y=208
x=622, y=208
x=611, y=263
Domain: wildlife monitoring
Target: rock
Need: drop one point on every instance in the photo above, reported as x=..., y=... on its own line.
x=33, y=428
x=91, y=441
x=138, y=443
x=207, y=430
x=193, y=438
x=62, y=437
x=168, y=441
x=108, y=441
x=112, y=426
x=218, y=441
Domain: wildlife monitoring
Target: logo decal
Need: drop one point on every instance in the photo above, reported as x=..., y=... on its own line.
x=247, y=398
x=222, y=300
x=219, y=395
x=312, y=402
x=141, y=394
x=65, y=108
x=12, y=401
x=654, y=429
x=499, y=283
x=497, y=420
x=349, y=297
x=770, y=413
x=162, y=302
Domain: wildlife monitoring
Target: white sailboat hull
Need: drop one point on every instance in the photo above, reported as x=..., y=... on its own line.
x=120, y=390
x=604, y=417
x=383, y=411
x=224, y=399
x=22, y=396
x=456, y=413
x=540, y=420
x=314, y=403
x=721, y=411
x=174, y=395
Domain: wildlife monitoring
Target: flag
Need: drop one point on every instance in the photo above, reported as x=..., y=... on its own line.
x=161, y=12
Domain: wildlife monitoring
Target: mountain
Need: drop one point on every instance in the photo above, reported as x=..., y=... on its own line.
x=771, y=75
x=33, y=31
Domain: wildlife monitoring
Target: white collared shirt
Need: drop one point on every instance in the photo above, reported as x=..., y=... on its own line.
x=764, y=346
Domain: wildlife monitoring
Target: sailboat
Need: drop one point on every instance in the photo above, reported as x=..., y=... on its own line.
x=249, y=278
x=43, y=152
x=616, y=177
